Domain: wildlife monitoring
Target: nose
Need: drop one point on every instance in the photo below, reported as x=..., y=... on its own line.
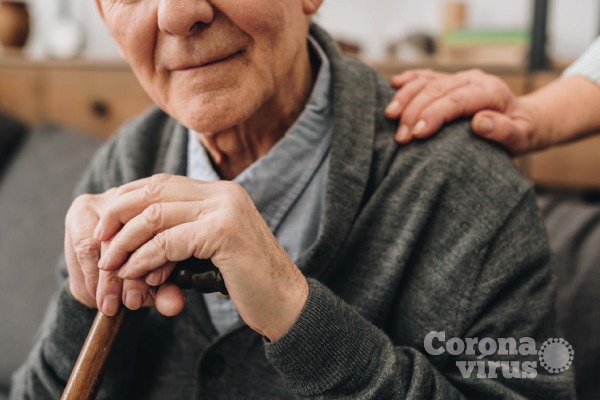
x=184, y=17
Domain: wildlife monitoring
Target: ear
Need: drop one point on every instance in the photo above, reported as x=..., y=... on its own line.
x=100, y=9
x=311, y=6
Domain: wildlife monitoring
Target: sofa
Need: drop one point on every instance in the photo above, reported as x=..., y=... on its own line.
x=42, y=165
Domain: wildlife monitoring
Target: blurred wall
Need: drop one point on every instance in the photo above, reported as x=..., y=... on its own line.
x=573, y=23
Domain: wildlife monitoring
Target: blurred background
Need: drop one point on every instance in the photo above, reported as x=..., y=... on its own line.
x=64, y=90
x=64, y=68
x=373, y=24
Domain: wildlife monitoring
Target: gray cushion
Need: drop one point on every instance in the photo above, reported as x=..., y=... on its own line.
x=574, y=229
x=34, y=196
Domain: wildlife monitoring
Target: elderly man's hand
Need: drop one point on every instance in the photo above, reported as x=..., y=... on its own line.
x=82, y=253
x=155, y=222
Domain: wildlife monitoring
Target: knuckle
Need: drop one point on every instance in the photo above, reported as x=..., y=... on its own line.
x=432, y=113
x=82, y=201
x=160, y=178
x=86, y=248
x=152, y=191
x=236, y=189
x=134, y=260
x=409, y=116
x=431, y=75
x=120, y=191
x=152, y=215
x=85, y=198
x=526, y=136
x=161, y=242
x=110, y=280
x=112, y=191
x=434, y=91
x=482, y=78
x=403, y=75
x=495, y=83
x=455, y=101
x=475, y=72
x=235, y=193
x=409, y=75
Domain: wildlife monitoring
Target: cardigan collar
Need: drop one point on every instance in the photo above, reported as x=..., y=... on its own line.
x=354, y=90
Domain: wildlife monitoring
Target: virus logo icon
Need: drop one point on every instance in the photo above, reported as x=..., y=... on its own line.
x=556, y=355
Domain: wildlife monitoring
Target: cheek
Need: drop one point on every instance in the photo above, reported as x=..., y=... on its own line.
x=133, y=28
x=268, y=22
x=277, y=29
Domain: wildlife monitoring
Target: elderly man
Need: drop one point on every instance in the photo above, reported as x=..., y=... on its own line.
x=341, y=253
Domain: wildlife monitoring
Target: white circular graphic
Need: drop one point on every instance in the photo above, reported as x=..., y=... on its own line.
x=556, y=355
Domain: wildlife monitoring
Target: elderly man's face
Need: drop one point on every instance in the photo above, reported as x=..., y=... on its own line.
x=211, y=64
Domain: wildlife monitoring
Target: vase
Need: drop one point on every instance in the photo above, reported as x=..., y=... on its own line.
x=65, y=38
x=14, y=24
x=455, y=15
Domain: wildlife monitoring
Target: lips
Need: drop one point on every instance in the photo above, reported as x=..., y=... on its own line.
x=205, y=61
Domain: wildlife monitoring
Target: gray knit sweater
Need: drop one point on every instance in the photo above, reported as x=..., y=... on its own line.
x=442, y=235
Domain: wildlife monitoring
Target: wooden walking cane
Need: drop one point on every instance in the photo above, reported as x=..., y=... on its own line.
x=86, y=376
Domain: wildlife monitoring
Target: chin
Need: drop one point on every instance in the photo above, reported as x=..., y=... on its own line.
x=211, y=114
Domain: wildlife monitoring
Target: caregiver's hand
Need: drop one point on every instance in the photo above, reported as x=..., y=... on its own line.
x=426, y=100
x=82, y=252
x=153, y=223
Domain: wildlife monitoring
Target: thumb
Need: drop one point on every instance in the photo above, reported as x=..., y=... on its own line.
x=169, y=300
x=497, y=127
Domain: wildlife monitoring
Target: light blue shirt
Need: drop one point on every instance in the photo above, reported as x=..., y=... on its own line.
x=588, y=65
x=287, y=185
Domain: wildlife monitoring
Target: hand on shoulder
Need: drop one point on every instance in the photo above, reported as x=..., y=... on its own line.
x=427, y=99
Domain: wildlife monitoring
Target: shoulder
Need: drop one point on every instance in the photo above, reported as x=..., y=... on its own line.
x=468, y=174
x=460, y=155
x=455, y=163
x=142, y=147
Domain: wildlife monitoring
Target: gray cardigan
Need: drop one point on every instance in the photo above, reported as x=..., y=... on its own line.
x=442, y=235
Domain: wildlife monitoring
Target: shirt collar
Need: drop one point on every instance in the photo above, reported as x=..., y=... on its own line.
x=275, y=180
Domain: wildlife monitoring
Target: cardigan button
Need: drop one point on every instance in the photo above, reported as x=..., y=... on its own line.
x=212, y=365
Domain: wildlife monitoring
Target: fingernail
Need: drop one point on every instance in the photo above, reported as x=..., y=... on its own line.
x=403, y=133
x=110, y=305
x=485, y=126
x=393, y=107
x=122, y=273
x=134, y=300
x=154, y=278
x=419, y=127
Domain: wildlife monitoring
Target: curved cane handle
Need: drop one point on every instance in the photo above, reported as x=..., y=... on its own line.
x=201, y=275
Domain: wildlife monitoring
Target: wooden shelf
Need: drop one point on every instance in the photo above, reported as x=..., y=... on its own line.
x=97, y=96
x=517, y=78
x=573, y=166
x=92, y=96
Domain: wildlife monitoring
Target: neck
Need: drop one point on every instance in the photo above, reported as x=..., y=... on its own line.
x=235, y=149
